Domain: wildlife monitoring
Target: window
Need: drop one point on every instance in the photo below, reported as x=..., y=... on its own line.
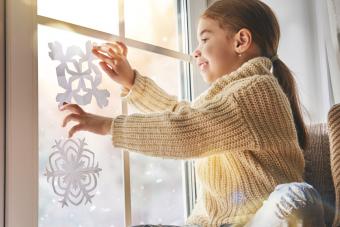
x=315, y=60
x=30, y=195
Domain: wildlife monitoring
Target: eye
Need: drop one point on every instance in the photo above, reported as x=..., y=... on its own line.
x=204, y=40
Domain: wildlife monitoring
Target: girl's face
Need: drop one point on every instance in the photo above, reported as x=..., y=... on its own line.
x=215, y=54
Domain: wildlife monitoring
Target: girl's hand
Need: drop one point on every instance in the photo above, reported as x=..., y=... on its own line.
x=86, y=121
x=115, y=63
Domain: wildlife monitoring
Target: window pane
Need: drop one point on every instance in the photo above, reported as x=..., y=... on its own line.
x=157, y=191
x=107, y=208
x=156, y=183
x=152, y=21
x=101, y=15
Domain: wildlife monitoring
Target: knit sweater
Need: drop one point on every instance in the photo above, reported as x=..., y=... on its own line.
x=240, y=131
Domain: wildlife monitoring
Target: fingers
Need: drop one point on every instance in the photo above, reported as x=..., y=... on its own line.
x=74, y=108
x=114, y=56
x=109, y=46
x=123, y=48
x=70, y=117
x=113, y=46
x=110, y=70
x=75, y=129
x=97, y=51
x=76, y=115
x=119, y=48
x=108, y=59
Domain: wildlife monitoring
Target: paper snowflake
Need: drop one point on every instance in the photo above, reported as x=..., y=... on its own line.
x=78, y=75
x=73, y=172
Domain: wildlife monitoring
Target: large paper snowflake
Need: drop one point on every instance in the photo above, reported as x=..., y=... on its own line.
x=78, y=75
x=73, y=172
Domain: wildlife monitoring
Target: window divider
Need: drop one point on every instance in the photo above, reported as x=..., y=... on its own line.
x=192, y=85
x=126, y=154
x=54, y=23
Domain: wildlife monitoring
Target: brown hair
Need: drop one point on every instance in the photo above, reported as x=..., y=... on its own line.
x=261, y=21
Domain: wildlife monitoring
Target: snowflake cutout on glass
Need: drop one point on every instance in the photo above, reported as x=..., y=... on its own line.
x=73, y=172
x=78, y=75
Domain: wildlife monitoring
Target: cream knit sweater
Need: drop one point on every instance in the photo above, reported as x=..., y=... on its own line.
x=240, y=131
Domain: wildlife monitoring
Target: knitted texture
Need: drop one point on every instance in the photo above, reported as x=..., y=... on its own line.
x=240, y=132
x=318, y=168
x=334, y=140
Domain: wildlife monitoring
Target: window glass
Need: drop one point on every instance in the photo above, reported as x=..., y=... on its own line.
x=101, y=15
x=107, y=208
x=152, y=21
x=156, y=183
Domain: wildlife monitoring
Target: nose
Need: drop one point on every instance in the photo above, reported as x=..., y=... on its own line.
x=196, y=53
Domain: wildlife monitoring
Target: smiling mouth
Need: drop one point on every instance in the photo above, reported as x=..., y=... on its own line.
x=202, y=65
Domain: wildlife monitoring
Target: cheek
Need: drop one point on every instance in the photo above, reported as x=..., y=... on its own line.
x=218, y=58
x=217, y=53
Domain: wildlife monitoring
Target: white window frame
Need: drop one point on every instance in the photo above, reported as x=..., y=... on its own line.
x=194, y=9
x=2, y=111
x=21, y=198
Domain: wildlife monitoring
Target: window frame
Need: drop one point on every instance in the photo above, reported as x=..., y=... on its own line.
x=22, y=183
x=2, y=110
x=196, y=86
x=21, y=199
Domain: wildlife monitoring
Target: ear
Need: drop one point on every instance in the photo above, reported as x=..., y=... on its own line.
x=242, y=41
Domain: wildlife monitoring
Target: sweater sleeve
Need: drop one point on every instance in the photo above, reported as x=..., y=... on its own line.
x=187, y=133
x=148, y=97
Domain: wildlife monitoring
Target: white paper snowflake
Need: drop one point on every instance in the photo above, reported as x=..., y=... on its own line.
x=78, y=75
x=73, y=172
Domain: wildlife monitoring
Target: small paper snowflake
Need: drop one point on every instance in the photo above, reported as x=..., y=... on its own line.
x=73, y=172
x=78, y=75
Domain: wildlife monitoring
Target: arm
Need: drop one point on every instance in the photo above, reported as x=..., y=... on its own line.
x=255, y=117
x=188, y=133
x=267, y=111
x=140, y=91
x=148, y=97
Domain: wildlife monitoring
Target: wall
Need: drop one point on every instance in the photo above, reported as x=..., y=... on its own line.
x=302, y=49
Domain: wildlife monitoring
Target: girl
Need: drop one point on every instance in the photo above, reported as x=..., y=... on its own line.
x=246, y=131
